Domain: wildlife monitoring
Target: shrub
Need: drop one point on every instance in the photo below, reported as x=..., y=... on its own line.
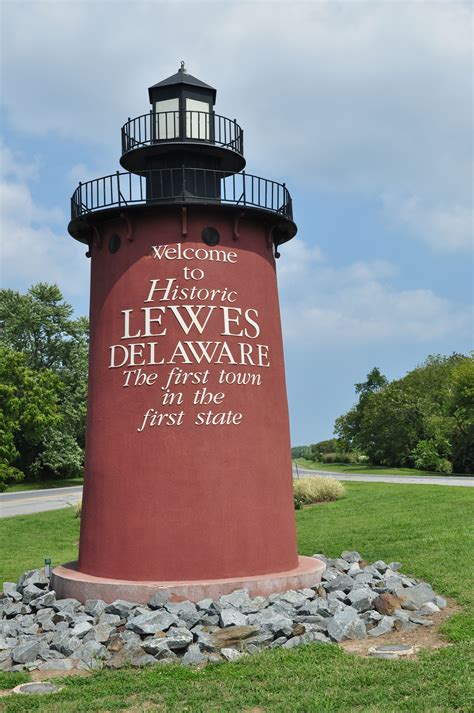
x=77, y=508
x=426, y=457
x=316, y=490
x=339, y=458
x=9, y=474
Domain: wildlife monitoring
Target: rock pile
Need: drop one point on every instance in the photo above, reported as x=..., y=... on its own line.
x=354, y=600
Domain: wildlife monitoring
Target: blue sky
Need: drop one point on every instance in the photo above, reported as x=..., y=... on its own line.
x=363, y=108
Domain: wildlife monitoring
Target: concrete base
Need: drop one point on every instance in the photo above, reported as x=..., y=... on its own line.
x=67, y=581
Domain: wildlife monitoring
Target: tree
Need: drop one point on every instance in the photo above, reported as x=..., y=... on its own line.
x=424, y=419
x=348, y=426
x=28, y=412
x=461, y=409
x=40, y=326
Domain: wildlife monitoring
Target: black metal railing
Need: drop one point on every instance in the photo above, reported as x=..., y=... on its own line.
x=182, y=126
x=180, y=185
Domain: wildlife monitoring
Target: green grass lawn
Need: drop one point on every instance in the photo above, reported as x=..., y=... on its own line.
x=43, y=484
x=425, y=527
x=365, y=469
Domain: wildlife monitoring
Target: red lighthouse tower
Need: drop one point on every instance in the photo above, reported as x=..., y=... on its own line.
x=188, y=482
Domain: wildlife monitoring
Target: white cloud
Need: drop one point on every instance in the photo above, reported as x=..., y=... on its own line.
x=358, y=303
x=347, y=96
x=34, y=248
x=446, y=227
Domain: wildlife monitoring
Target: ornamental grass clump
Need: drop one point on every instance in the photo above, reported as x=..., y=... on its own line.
x=317, y=490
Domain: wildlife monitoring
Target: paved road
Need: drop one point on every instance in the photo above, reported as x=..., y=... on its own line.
x=403, y=479
x=31, y=501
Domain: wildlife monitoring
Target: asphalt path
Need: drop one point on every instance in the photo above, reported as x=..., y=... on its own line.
x=31, y=501
x=465, y=481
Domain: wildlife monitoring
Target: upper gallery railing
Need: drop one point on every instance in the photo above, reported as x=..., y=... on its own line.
x=180, y=126
x=180, y=185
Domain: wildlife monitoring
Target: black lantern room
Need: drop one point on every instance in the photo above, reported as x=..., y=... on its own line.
x=181, y=152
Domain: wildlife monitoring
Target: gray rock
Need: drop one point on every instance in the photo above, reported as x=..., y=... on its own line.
x=111, y=619
x=142, y=660
x=395, y=566
x=337, y=594
x=346, y=625
x=340, y=564
x=306, y=638
x=33, y=576
x=204, y=604
x=394, y=585
x=45, y=620
x=383, y=627
x=67, y=605
x=159, y=620
x=278, y=642
x=440, y=601
x=159, y=599
x=178, y=638
x=420, y=621
x=186, y=612
x=26, y=651
x=363, y=579
x=30, y=592
x=64, y=664
x=205, y=640
x=45, y=601
x=94, y=607
x=237, y=599
x=210, y=620
x=12, y=609
x=342, y=581
x=417, y=596
x=261, y=639
x=428, y=609
x=354, y=569
x=231, y=654
x=351, y=556
x=65, y=643
x=296, y=599
x=329, y=574
x=121, y=608
x=193, y=656
x=275, y=622
x=154, y=645
x=255, y=605
x=381, y=565
x=100, y=633
x=361, y=599
x=81, y=629
x=321, y=557
x=10, y=590
x=232, y=617
x=91, y=650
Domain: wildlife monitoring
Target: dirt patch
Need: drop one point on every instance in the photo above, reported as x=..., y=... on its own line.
x=43, y=675
x=424, y=637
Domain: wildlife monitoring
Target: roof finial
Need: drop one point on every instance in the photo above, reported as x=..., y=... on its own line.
x=182, y=68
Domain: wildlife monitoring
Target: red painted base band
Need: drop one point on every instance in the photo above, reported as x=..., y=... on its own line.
x=67, y=581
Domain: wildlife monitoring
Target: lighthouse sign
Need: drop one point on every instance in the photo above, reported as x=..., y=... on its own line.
x=186, y=309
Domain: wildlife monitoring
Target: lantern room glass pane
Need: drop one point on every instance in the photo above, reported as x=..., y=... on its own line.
x=167, y=119
x=197, y=120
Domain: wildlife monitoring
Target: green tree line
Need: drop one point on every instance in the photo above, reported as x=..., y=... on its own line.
x=423, y=420
x=43, y=385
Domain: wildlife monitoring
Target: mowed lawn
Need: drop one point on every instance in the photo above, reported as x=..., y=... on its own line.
x=365, y=469
x=428, y=528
